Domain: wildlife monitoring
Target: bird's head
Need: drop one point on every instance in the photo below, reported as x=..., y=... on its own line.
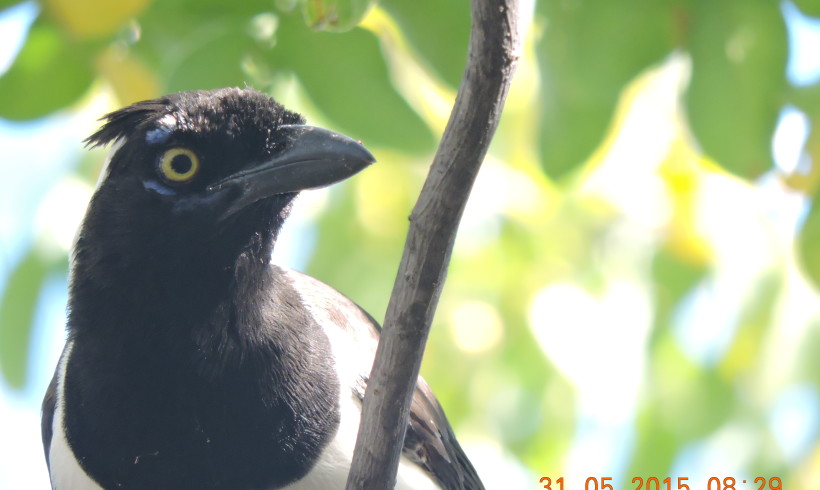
x=205, y=175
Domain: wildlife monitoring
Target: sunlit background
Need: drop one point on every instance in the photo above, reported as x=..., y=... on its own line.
x=634, y=287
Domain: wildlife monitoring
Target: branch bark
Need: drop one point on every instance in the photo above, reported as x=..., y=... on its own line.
x=491, y=59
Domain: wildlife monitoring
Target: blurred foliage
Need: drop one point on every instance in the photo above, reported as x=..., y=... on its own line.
x=17, y=309
x=588, y=53
x=335, y=15
x=630, y=165
x=736, y=92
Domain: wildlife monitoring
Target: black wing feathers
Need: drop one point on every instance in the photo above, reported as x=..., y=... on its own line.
x=430, y=443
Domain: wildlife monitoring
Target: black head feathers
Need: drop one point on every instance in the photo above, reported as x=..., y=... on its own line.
x=231, y=111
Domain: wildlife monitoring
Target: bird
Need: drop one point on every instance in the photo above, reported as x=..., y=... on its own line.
x=192, y=360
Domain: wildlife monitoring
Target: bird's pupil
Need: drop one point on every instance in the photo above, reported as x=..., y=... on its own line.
x=181, y=164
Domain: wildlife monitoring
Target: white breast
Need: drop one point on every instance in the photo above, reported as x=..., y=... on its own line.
x=66, y=472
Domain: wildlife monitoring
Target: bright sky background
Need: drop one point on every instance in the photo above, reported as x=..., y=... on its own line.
x=34, y=167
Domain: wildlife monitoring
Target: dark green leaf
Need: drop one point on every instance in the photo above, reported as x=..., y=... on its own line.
x=439, y=31
x=589, y=51
x=16, y=317
x=347, y=78
x=739, y=50
x=49, y=73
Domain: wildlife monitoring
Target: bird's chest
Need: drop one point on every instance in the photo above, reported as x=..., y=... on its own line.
x=157, y=423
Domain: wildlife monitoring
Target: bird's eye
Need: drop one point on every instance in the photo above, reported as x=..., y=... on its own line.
x=178, y=165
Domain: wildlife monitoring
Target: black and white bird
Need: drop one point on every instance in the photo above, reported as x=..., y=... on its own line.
x=192, y=361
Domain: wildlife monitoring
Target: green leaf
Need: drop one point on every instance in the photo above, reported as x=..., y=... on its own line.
x=589, y=51
x=809, y=243
x=684, y=402
x=806, y=98
x=334, y=15
x=739, y=50
x=673, y=278
x=193, y=12
x=4, y=4
x=656, y=445
x=16, y=317
x=346, y=76
x=756, y=320
x=808, y=7
x=225, y=50
x=439, y=31
x=198, y=45
x=50, y=73
x=808, y=362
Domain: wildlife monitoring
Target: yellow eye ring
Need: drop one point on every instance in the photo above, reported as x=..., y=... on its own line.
x=179, y=165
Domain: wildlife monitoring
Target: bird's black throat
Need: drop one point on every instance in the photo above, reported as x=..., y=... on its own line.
x=167, y=272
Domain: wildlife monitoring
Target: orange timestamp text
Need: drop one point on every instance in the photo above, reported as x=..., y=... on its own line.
x=679, y=483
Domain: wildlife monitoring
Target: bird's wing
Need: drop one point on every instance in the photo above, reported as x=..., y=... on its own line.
x=47, y=420
x=429, y=441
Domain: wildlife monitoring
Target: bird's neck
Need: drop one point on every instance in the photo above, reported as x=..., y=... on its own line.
x=161, y=296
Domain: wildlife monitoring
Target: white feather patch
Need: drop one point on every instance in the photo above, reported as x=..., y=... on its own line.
x=115, y=147
x=353, y=355
x=66, y=472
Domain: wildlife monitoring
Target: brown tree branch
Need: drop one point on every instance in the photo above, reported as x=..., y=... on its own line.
x=493, y=53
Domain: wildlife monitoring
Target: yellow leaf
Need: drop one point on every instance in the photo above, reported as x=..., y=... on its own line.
x=92, y=19
x=379, y=207
x=808, y=473
x=131, y=80
x=682, y=175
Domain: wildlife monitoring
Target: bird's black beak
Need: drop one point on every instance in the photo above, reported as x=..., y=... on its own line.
x=314, y=158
